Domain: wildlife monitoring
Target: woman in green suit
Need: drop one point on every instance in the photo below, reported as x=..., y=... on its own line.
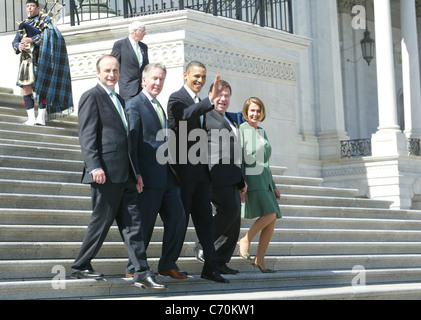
x=261, y=196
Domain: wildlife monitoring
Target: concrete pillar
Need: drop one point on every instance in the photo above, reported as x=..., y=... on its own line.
x=328, y=79
x=410, y=70
x=388, y=140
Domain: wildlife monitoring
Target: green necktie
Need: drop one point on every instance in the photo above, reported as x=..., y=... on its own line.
x=119, y=109
x=159, y=112
x=137, y=51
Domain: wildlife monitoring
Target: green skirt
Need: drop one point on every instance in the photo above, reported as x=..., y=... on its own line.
x=260, y=203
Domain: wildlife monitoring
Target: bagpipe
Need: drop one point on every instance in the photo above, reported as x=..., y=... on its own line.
x=26, y=74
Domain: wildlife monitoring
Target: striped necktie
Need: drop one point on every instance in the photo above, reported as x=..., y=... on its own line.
x=119, y=108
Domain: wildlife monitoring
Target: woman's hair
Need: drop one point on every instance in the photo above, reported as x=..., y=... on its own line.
x=257, y=101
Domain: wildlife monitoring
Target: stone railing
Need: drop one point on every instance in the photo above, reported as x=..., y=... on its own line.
x=362, y=148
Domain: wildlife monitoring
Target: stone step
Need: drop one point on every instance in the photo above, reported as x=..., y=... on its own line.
x=294, y=199
x=39, y=144
x=69, y=133
x=13, y=108
x=394, y=291
x=48, y=233
x=68, y=122
x=40, y=137
x=38, y=175
x=40, y=152
x=34, y=201
x=82, y=217
x=40, y=163
x=250, y=286
x=46, y=181
x=348, y=212
x=281, y=179
x=391, y=291
x=57, y=217
x=11, y=100
x=45, y=187
x=278, y=170
x=316, y=190
x=67, y=250
x=8, y=91
x=348, y=223
x=292, y=214
x=41, y=268
x=25, y=201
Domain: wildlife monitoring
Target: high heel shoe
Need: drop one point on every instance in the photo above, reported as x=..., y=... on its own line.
x=244, y=256
x=267, y=270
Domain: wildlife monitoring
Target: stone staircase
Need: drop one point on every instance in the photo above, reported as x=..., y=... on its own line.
x=325, y=238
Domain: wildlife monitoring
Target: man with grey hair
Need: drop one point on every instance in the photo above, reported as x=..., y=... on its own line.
x=132, y=54
x=161, y=192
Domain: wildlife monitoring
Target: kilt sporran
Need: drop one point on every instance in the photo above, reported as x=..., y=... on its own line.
x=26, y=74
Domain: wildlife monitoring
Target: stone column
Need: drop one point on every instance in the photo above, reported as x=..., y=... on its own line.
x=388, y=140
x=328, y=79
x=411, y=69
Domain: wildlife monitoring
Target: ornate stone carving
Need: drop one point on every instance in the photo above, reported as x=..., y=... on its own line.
x=169, y=54
x=82, y=65
x=242, y=63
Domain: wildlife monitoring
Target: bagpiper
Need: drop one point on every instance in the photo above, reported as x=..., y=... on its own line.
x=44, y=72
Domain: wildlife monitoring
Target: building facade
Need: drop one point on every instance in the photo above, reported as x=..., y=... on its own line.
x=323, y=98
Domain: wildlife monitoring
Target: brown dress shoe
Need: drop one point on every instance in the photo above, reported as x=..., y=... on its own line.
x=173, y=273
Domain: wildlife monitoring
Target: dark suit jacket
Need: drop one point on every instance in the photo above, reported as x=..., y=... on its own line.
x=225, y=153
x=184, y=117
x=144, y=126
x=103, y=138
x=130, y=82
x=236, y=116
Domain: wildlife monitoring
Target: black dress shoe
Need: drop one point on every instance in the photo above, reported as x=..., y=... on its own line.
x=214, y=276
x=224, y=269
x=151, y=283
x=87, y=274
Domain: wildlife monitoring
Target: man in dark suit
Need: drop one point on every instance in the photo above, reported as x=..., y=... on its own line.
x=184, y=116
x=161, y=192
x=132, y=54
x=103, y=135
x=225, y=159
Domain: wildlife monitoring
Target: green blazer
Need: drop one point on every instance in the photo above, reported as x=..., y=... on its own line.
x=256, y=154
